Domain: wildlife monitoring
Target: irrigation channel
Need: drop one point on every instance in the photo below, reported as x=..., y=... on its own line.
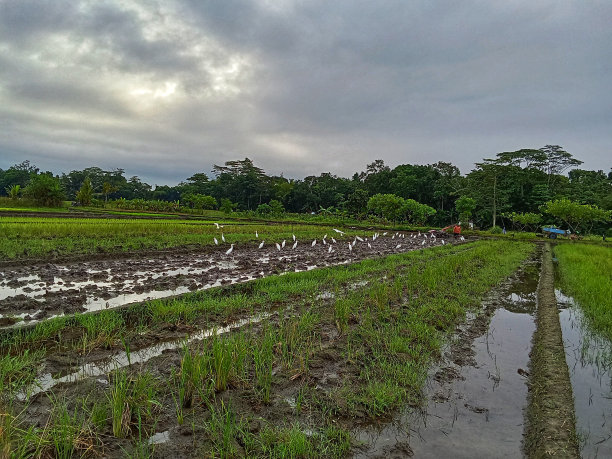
x=36, y=291
x=477, y=394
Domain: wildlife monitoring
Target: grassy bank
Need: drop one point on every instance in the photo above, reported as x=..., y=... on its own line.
x=378, y=328
x=584, y=273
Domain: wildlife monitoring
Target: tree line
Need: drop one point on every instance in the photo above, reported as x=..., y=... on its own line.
x=506, y=190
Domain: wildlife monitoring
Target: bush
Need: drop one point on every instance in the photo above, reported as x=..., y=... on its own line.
x=45, y=190
x=495, y=230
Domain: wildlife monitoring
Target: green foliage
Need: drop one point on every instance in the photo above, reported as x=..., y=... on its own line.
x=465, y=206
x=579, y=217
x=524, y=221
x=85, y=194
x=495, y=230
x=13, y=191
x=199, y=201
x=264, y=210
x=46, y=190
x=227, y=206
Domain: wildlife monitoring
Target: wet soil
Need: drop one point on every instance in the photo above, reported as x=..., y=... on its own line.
x=476, y=395
x=30, y=292
x=551, y=428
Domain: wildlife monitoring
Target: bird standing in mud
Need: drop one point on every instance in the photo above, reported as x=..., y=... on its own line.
x=294, y=245
x=230, y=250
x=222, y=237
x=314, y=243
x=278, y=247
x=216, y=242
x=261, y=244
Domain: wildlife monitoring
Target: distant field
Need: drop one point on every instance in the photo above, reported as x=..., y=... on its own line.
x=25, y=237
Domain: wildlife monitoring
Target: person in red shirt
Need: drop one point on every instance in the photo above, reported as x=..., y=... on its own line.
x=456, y=231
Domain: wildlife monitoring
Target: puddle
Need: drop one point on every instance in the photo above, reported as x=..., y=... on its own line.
x=588, y=358
x=123, y=359
x=476, y=396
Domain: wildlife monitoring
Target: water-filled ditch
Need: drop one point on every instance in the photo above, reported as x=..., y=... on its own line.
x=476, y=395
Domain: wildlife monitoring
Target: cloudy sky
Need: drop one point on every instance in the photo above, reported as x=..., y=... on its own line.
x=165, y=89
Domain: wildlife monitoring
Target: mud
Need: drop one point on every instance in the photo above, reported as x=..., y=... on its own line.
x=476, y=395
x=31, y=292
x=551, y=427
x=589, y=357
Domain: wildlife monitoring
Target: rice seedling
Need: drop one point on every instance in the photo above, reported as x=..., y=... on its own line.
x=263, y=359
x=131, y=397
x=584, y=273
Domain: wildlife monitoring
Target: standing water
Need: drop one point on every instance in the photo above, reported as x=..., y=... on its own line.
x=477, y=394
x=588, y=358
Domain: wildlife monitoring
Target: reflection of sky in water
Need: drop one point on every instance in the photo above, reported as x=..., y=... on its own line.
x=588, y=359
x=479, y=414
x=123, y=359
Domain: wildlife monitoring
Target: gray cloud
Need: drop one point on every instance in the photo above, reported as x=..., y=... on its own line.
x=165, y=89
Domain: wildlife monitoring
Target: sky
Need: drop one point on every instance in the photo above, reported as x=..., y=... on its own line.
x=166, y=89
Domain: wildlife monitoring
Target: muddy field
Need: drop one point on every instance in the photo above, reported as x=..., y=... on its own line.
x=36, y=291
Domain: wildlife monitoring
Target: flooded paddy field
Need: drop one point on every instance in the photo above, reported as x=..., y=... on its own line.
x=477, y=394
x=295, y=361
x=589, y=359
x=34, y=291
x=377, y=351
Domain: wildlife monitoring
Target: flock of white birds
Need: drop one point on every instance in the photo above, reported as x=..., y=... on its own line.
x=427, y=239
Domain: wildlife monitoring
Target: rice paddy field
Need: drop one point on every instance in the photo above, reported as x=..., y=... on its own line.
x=192, y=338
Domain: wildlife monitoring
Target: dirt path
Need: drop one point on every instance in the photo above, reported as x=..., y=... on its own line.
x=551, y=424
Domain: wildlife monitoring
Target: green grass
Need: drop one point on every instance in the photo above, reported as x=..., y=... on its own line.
x=584, y=273
x=25, y=237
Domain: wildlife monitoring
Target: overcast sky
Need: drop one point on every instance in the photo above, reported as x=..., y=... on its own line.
x=166, y=89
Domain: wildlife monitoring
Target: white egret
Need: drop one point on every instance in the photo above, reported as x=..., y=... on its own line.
x=294, y=245
x=324, y=242
x=330, y=249
x=359, y=239
x=462, y=238
x=278, y=247
x=369, y=246
x=256, y=234
x=354, y=242
x=338, y=231
x=393, y=237
x=350, y=247
x=294, y=238
x=314, y=243
x=385, y=233
x=398, y=246
x=222, y=237
x=419, y=234
x=283, y=244
x=216, y=242
x=423, y=243
x=325, y=236
x=333, y=240
x=230, y=250
x=217, y=225
x=443, y=242
x=261, y=244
